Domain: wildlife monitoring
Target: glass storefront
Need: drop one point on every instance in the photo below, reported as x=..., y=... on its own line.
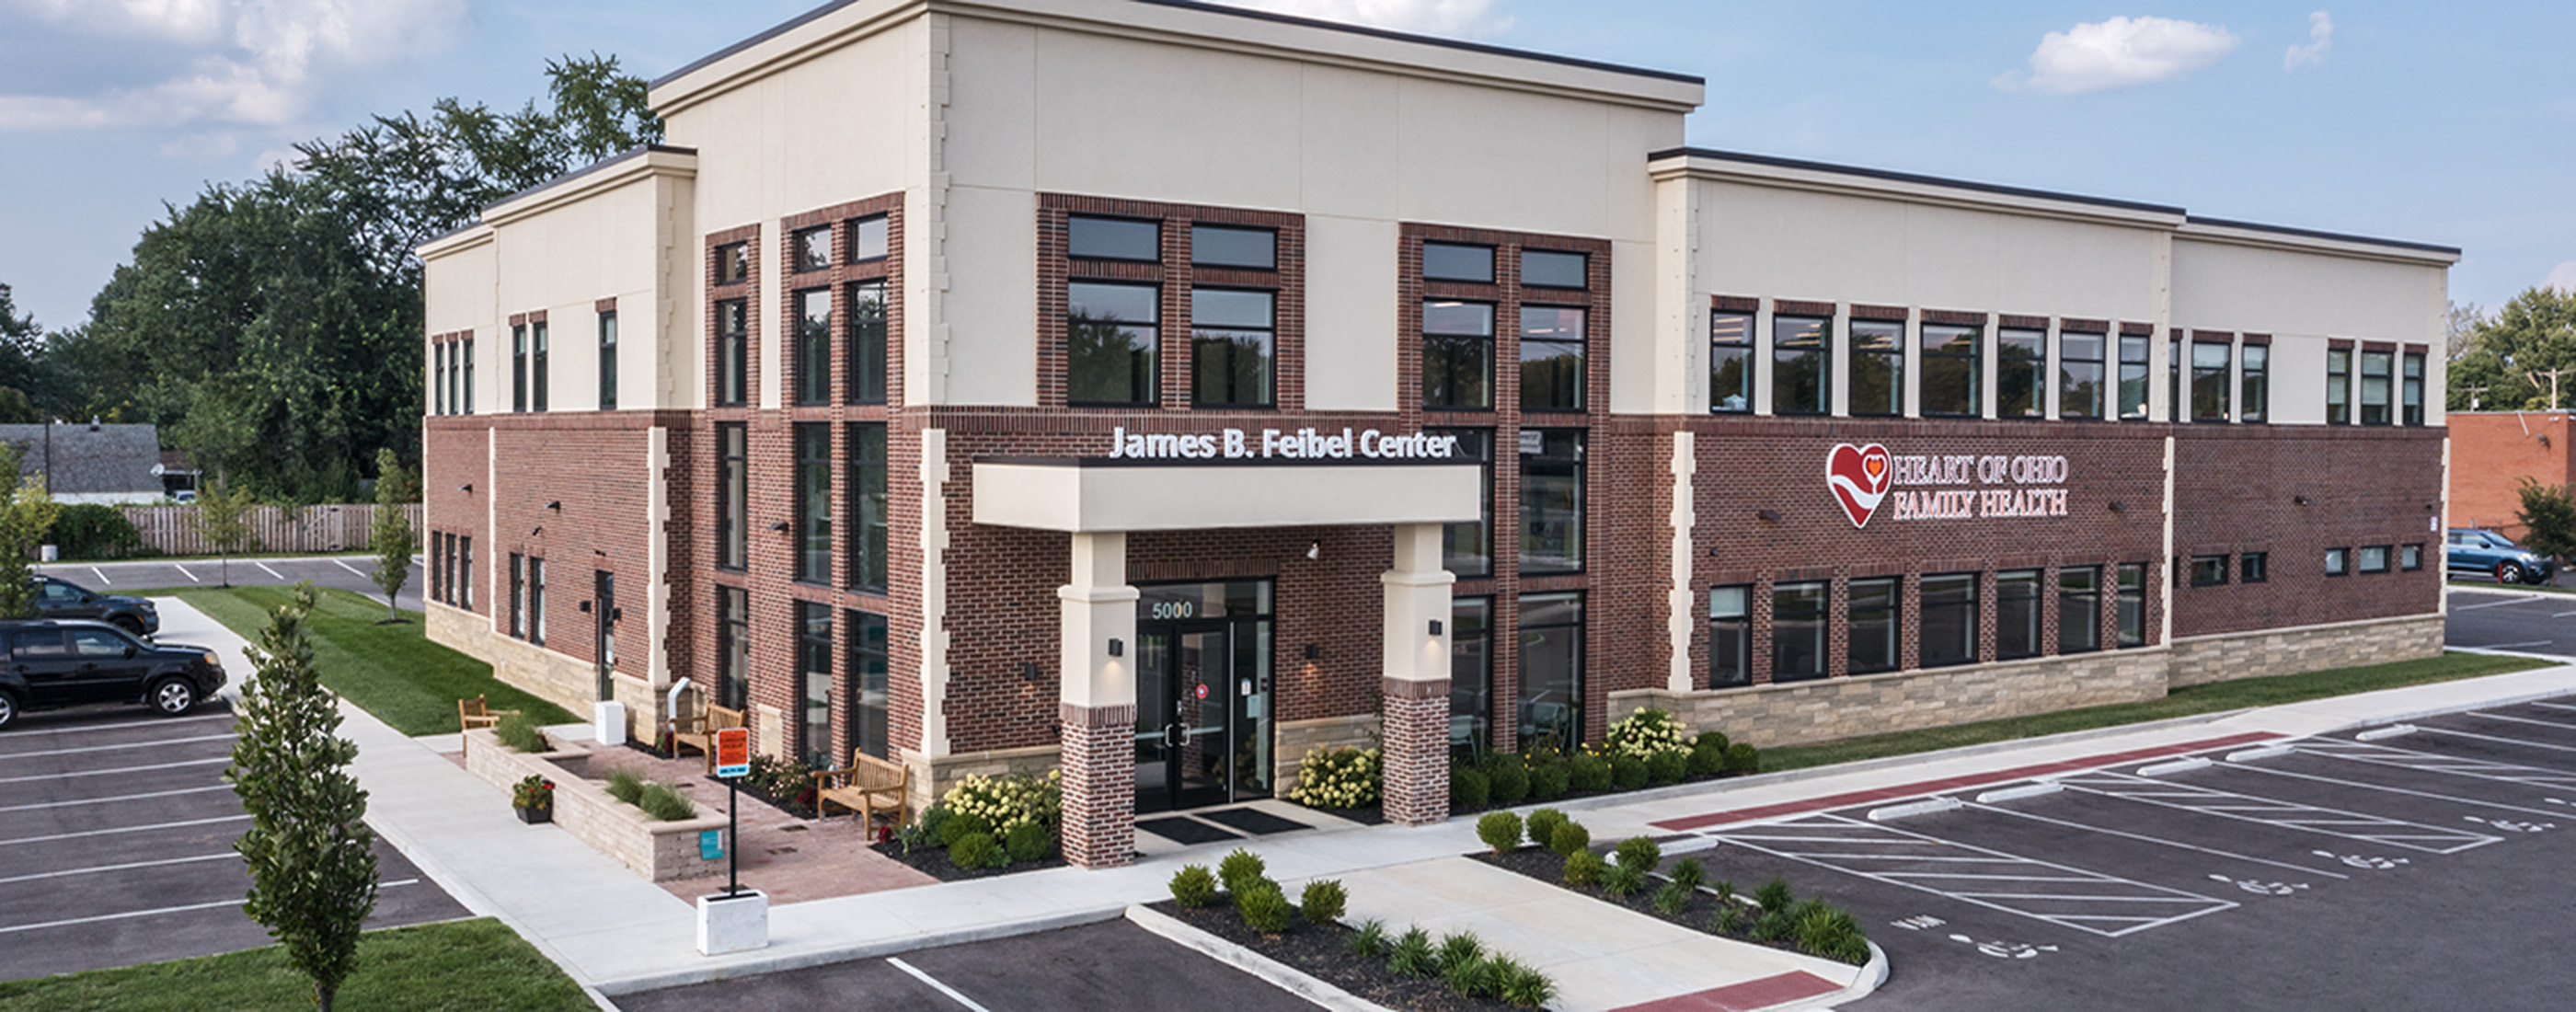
x=1202, y=694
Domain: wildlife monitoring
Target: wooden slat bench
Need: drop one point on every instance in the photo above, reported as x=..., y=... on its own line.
x=474, y=713
x=869, y=785
x=699, y=732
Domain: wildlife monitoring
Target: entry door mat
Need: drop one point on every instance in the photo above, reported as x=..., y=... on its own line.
x=1186, y=831
x=1253, y=821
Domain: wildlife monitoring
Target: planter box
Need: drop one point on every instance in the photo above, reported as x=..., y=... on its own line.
x=533, y=814
x=656, y=850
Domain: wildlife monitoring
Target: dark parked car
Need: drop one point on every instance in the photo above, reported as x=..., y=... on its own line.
x=48, y=663
x=57, y=598
x=2478, y=551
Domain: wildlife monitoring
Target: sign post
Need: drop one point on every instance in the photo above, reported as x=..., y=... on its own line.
x=733, y=762
x=736, y=919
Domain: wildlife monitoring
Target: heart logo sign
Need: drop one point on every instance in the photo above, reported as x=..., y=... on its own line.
x=1859, y=476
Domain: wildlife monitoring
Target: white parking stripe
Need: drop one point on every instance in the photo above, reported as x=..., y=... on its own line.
x=2230, y=855
x=2489, y=737
x=102, y=577
x=2433, y=762
x=120, y=769
x=125, y=829
x=119, y=917
x=120, y=867
x=934, y=982
x=183, y=571
x=2482, y=714
x=116, y=797
x=349, y=567
x=111, y=748
x=2398, y=790
x=154, y=722
x=2493, y=604
x=271, y=572
x=2276, y=812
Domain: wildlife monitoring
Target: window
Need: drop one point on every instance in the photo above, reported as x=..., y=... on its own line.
x=2374, y=387
x=2016, y=614
x=733, y=263
x=1111, y=333
x=1551, y=500
x=1551, y=358
x=1457, y=354
x=814, y=684
x=1877, y=367
x=2338, y=561
x=518, y=596
x=608, y=361
x=2339, y=386
x=2080, y=391
x=733, y=496
x=867, y=337
x=2021, y=373
x=1798, y=631
x=1551, y=682
x=2253, y=567
x=536, y=600
x=438, y=379
x=733, y=648
x=870, y=688
x=2208, y=570
x=1949, y=617
x=2410, y=557
x=1232, y=344
x=1449, y=261
x=1730, y=636
x=813, y=501
x=1252, y=249
x=869, y=239
x=519, y=367
x=1550, y=269
x=1467, y=549
x=465, y=572
x=1114, y=239
x=733, y=353
x=2208, y=381
x=467, y=372
x=2079, y=609
x=1799, y=362
x=438, y=578
x=2133, y=377
x=2372, y=559
x=868, y=470
x=812, y=248
x=1730, y=361
x=2410, y=398
x=2132, y=604
x=814, y=346
x=1471, y=674
x=2174, y=406
x=1873, y=626
x=537, y=384
x=1950, y=356
x=2254, y=384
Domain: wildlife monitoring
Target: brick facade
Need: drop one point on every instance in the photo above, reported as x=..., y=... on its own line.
x=2491, y=452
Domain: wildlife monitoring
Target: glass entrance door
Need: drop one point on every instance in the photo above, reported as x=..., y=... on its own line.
x=1202, y=695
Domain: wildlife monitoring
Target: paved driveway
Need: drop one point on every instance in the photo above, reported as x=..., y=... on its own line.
x=348, y=572
x=2517, y=620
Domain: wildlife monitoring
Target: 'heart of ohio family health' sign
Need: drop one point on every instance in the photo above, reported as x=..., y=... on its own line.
x=1303, y=444
x=1862, y=478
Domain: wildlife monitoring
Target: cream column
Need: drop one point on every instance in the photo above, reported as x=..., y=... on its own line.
x=1098, y=708
x=1416, y=678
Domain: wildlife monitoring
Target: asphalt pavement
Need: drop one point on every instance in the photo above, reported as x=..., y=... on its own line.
x=2516, y=619
x=347, y=572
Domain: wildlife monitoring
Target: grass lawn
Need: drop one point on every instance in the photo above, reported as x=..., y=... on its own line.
x=460, y=965
x=392, y=671
x=2181, y=702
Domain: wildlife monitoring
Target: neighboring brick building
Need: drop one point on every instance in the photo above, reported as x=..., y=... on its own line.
x=1129, y=386
x=2492, y=451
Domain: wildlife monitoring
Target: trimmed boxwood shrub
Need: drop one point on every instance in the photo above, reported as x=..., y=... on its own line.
x=1547, y=781
x=1467, y=788
x=1499, y=830
x=1027, y=841
x=1628, y=772
x=959, y=827
x=1588, y=773
x=1542, y=826
x=1667, y=767
x=1508, y=782
x=1264, y=907
x=1707, y=756
x=1568, y=838
x=1192, y=886
x=976, y=850
x=1240, y=870
x=1323, y=901
x=1742, y=758
x=1582, y=868
x=1639, y=852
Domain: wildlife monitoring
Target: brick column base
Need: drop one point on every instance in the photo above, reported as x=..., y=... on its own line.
x=1417, y=751
x=1099, y=762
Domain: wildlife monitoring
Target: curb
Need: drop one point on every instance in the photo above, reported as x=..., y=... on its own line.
x=2447, y=709
x=1872, y=977
x=1269, y=970
x=848, y=953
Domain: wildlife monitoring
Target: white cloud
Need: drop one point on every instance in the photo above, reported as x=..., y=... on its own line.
x=2320, y=39
x=2118, y=53
x=2562, y=277
x=256, y=63
x=1430, y=17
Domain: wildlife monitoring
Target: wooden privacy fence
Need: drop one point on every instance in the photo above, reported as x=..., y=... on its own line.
x=172, y=530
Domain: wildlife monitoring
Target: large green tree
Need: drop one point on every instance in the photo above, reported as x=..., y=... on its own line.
x=21, y=343
x=26, y=513
x=2511, y=354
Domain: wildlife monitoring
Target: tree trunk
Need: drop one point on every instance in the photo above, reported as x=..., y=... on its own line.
x=322, y=995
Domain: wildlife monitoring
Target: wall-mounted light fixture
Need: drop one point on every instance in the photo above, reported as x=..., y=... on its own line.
x=781, y=527
x=1314, y=551
x=1030, y=670
x=1117, y=648
x=583, y=607
x=539, y=529
x=1771, y=515
x=1435, y=627
x=1314, y=651
x=556, y=505
x=2119, y=507
x=467, y=488
x=2299, y=500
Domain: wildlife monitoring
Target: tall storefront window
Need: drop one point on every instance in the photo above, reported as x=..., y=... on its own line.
x=519, y=367
x=733, y=648
x=814, y=685
x=1457, y=355
x=869, y=690
x=867, y=340
x=867, y=499
x=1467, y=549
x=1798, y=628
x=813, y=523
x=2016, y=614
x=1551, y=500
x=733, y=495
x=2080, y=390
x=538, y=386
x=1551, y=703
x=1471, y=675
x=1552, y=373
x=536, y=600
x=1730, y=636
x=2132, y=604
x=518, y=596
x=1877, y=367
x=1873, y=626
x=2021, y=373
x=465, y=572
x=1233, y=348
x=1111, y=333
x=2079, y=609
x=1949, y=617
x=1730, y=362
x=1801, y=357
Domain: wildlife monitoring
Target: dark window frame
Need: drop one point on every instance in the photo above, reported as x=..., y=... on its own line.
x=1202, y=226
x=870, y=468
x=1488, y=349
x=1471, y=671
x=1975, y=357
x=809, y=356
x=2218, y=563
x=1071, y=218
x=2410, y=388
x=518, y=367
x=810, y=470
x=2015, y=590
x=2067, y=385
x=1740, y=623
x=2254, y=383
x=608, y=360
x=1152, y=364
x=867, y=334
x=2339, y=561
x=1821, y=614
x=813, y=624
x=2143, y=365
x=1891, y=614
x=2339, y=370
x=883, y=224
x=733, y=496
x=2129, y=593
x=1478, y=444
x=1582, y=347
x=537, y=609
x=2079, y=603
x=2009, y=373
x=1890, y=356
x=2387, y=379
x=2217, y=382
x=1967, y=609
x=2410, y=557
x=1493, y=262
x=1821, y=352
x=2253, y=567
x=1202, y=354
x=1583, y=268
x=1535, y=513
x=518, y=596
x=1742, y=347
x=733, y=353
x=731, y=262
x=733, y=648
x=870, y=659
x=1578, y=631
x=540, y=380
x=2361, y=559
x=802, y=246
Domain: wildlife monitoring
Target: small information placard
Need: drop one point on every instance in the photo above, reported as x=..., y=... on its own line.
x=733, y=752
x=710, y=844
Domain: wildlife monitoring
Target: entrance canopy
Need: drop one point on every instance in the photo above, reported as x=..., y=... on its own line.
x=1091, y=496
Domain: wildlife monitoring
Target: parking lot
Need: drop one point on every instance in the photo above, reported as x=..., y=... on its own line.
x=116, y=832
x=2518, y=620
x=2419, y=869
x=354, y=572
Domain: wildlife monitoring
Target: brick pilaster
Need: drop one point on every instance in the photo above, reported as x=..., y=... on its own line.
x=1417, y=751
x=1099, y=762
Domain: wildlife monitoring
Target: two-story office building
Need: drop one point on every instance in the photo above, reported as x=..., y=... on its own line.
x=1160, y=391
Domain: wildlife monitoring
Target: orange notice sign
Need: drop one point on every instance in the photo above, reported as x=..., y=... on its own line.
x=733, y=751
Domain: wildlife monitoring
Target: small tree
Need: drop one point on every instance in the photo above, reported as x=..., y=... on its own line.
x=26, y=513
x=312, y=858
x=392, y=538
x=2548, y=518
x=223, y=517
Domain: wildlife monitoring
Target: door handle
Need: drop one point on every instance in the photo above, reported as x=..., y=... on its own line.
x=1174, y=737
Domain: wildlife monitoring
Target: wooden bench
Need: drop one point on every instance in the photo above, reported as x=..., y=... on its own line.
x=699, y=732
x=868, y=786
x=474, y=713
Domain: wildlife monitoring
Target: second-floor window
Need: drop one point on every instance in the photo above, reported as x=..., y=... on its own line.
x=2410, y=391
x=1877, y=367
x=537, y=384
x=2339, y=386
x=2080, y=390
x=2208, y=381
x=1457, y=354
x=1951, y=355
x=1552, y=372
x=814, y=345
x=2021, y=373
x=2133, y=377
x=733, y=353
x=1233, y=347
x=1730, y=361
x=1801, y=358
x=2254, y=383
x=519, y=367
x=1112, y=332
x=867, y=351
x=608, y=361
x=2375, y=367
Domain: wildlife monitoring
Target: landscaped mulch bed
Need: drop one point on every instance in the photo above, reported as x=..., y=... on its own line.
x=1323, y=951
x=1700, y=914
x=1376, y=815
x=932, y=860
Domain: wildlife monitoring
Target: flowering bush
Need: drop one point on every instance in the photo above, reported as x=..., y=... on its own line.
x=533, y=792
x=1005, y=802
x=1645, y=734
x=1338, y=778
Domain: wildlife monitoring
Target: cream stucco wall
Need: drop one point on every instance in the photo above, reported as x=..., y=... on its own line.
x=2305, y=290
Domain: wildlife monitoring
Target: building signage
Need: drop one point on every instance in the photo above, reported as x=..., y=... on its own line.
x=733, y=752
x=1302, y=444
x=1982, y=486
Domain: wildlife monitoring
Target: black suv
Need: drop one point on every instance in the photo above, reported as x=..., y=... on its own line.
x=46, y=663
x=65, y=599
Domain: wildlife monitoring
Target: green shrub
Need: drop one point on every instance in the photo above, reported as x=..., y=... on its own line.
x=1730, y=919
x=1688, y=873
x=1713, y=741
x=1264, y=907
x=1240, y=869
x=1499, y=830
x=1829, y=933
x=1467, y=788
x=1639, y=852
x=1672, y=899
x=1774, y=895
x=1523, y=986
x=1569, y=838
x=1470, y=978
x=1582, y=868
x=1547, y=781
x=625, y=786
x=1644, y=734
x=972, y=850
x=1508, y=782
x=519, y=731
x=1027, y=841
x=1193, y=887
x=1459, y=948
x=1742, y=758
x=93, y=531
x=1667, y=767
x=1322, y=901
x=1623, y=880
x=1007, y=801
x=1411, y=954
x=932, y=821
x=1724, y=889
x=961, y=825
x=665, y=803
x=1627, y=772
x=1771, y=926
x=1706, y=761
x=1339, y=778
x=1368, y=941
x=1542, y=824
x=1588, y=773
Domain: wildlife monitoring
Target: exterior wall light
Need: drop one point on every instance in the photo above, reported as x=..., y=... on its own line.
x=1117, y=648
x=1435, y=627
x=1314, y=551
x=2119, y=507
x=2299, y=500
x=1767, y=514
x=781, y=527
x=1314, y=651
x=1029, y=670
x=556, y=505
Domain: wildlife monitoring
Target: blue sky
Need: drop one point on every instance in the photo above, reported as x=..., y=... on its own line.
x=2443, y=124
